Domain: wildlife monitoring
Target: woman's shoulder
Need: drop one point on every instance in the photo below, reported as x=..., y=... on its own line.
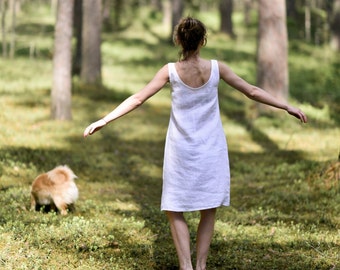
x=222, y=66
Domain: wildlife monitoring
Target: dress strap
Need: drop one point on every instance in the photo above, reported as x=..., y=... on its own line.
x=172, y=71
x=215, y=71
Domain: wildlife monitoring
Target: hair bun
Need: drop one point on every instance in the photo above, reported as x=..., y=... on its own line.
x=188, y=23
x=190, y=33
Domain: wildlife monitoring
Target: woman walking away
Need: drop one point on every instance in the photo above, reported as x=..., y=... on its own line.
x=196, y=166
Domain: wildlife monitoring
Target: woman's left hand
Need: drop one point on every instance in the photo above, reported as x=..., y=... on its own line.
x=95, y=126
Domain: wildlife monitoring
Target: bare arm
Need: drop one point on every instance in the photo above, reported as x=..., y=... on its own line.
x=132, y=102
x=256, y=93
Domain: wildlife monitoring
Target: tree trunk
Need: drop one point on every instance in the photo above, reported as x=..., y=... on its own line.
x=167, y=21
x=308, y=22
x=118, y=10
x=247, y=11
x=13, y=24
x=272, y=51
x=54, y=4
x=157, y=5
x=61, y=89
x=335, y=26
x=91, y=54
x=77, y=25
x=177, y=8
x=3, y=27
x=226, y=11
x=106, y=18
x=291, y=9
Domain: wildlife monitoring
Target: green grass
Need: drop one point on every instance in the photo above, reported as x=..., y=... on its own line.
x=284, y=211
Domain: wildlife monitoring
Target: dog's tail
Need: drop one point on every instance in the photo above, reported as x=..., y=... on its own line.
x=61, y=172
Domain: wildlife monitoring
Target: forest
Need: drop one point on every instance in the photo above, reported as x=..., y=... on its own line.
x=67, y=63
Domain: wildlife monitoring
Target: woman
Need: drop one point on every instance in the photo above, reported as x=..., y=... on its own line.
x=196, y=167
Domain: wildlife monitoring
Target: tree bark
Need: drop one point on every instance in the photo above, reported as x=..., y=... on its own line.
x=272, y=51
x=247, y=11
x=177, y=8
x=226, y=12
x=157, y=5
x=3, y=26
x=291, y=9
x=335, y=26
x=91, y=41
x=13, y=25
x=118, y=10
x=308, y=22
x=61, y=89
x=167, y=20
x=77, y=25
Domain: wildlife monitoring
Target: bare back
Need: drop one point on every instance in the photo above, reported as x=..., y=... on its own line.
x=194, y=72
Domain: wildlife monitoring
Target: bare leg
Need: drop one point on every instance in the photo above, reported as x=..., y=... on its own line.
x=62, y=207
x=204, y=235
x=181, y=238
x=33, y=203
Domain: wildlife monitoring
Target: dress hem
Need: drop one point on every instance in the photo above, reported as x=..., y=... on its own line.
x=194, y=209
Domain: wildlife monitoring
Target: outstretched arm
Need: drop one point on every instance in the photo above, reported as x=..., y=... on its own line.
x=132, y=102
x=257, y=93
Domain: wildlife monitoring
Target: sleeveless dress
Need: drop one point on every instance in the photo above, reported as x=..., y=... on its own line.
x=196, y=166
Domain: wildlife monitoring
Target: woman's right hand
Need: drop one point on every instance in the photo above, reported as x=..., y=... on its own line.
x=95, y=126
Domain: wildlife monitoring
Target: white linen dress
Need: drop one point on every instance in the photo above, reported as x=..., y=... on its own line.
x=196, y=166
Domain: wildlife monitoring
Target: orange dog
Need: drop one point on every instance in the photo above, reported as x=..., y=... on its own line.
x=55, y=189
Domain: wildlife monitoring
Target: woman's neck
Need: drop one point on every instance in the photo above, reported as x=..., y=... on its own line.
x=194, y=56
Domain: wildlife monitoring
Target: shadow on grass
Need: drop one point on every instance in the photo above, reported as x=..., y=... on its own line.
x=42, y=159
x=248, y=253
x=98, y=93
x=34, y=29
x=26, y=34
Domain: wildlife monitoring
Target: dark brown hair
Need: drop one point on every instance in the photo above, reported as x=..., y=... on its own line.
x=189, y=33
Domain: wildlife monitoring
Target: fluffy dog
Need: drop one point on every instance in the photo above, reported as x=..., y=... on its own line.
x=55, y=190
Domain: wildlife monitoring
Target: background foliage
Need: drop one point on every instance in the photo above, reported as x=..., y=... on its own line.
x=284, y=211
